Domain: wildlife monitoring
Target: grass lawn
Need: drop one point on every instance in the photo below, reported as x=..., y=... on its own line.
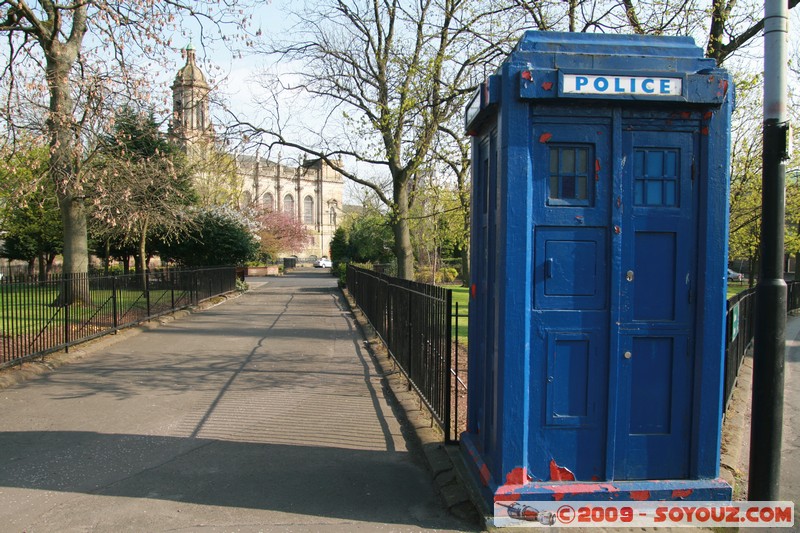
x=28, y=308
x=734, y=288
x=461, y=295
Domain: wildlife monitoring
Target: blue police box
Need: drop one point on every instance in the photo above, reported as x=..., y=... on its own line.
x=599, y=254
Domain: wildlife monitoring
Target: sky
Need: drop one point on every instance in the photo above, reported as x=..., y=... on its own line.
x=235, y=77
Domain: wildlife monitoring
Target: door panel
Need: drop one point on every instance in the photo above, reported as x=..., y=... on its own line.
x=570, y=314
x=573, y=274
x=654, y=270
x=656, y=307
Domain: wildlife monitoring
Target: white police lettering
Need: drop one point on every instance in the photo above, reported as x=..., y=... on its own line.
x=621, y=85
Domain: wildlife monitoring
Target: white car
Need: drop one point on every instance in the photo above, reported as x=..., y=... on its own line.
x=323, y=262
x=735, y=276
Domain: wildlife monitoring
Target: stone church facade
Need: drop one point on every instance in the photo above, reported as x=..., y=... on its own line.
x=311, y=191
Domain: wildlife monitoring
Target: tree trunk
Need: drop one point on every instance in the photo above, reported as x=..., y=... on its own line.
x=107, y=258
x=402, y=233
x=464, y=254
x=64, y=151
x=141, y=261
x=797, y=266
x=76, y=251
x=42, y=271
x=51, y=257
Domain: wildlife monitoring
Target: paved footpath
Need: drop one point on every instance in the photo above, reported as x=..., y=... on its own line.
x=790, y=452
x=261, y=414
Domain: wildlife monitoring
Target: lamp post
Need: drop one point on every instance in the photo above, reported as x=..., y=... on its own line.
x=769, y=346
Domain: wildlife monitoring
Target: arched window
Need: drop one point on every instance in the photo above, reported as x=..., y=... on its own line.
x=269, y=202
x=308, y=210
x=288, y=204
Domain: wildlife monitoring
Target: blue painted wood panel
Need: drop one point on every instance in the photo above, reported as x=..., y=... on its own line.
x=570, y=315
x=657, y=305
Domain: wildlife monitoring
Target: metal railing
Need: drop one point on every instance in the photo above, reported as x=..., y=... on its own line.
x=459, y=377
x=740, y=322
x=412, y=317
x=414, y=320
x=42, y=316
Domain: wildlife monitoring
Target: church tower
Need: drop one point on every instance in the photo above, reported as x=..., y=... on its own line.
x=191, y=123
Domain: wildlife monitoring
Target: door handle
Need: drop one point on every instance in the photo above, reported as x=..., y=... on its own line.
x=548, y=268
x=627, y=355
x=629, y=275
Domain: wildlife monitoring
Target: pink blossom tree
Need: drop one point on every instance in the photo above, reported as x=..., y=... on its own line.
x=281, y=232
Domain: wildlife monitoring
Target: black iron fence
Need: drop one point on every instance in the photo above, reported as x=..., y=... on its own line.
x=740, y=330
x=740, y=322
x=42, y=316
x=414, y=320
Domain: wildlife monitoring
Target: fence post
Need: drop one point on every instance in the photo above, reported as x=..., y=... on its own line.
x=453, y=380
x=114, y=301
x=7, y=319
x=147, y=291
x=67, y=295
x=410, y=340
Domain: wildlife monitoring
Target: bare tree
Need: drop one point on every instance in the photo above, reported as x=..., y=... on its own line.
x=391, y=72
x=67, y=59
x=724, y=26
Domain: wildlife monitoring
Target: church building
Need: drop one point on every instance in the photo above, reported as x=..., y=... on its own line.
x=311, y=191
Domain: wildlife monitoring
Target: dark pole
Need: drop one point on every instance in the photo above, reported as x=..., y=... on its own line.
x=769, y=348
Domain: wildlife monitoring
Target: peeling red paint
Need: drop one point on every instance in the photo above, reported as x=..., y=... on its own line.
x=596, y=170
x=571, y=489
x=708, y=115
x=681, y=493
x=544, y=137
x=560, y=473
x=514, y=481
x=548, y=85
x=686, y=114
x=704, y=130
x=724, y=86
x=484, y=473
x=595, y=478
x=518, y=476
x=640, y=495
x=473, y=290
x=526, y=75
x=710, y=79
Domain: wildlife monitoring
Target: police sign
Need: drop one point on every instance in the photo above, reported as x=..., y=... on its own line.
x=611, y=85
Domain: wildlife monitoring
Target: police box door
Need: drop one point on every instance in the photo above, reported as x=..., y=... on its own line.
x=613, y=319
x=571, y=306
x=657, y=283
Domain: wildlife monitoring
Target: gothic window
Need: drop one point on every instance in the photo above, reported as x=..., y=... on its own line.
x=269, y=202
x=308, y=210
x=288, y=204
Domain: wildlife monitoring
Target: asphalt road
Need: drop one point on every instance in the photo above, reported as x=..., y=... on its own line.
x=261, y=414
